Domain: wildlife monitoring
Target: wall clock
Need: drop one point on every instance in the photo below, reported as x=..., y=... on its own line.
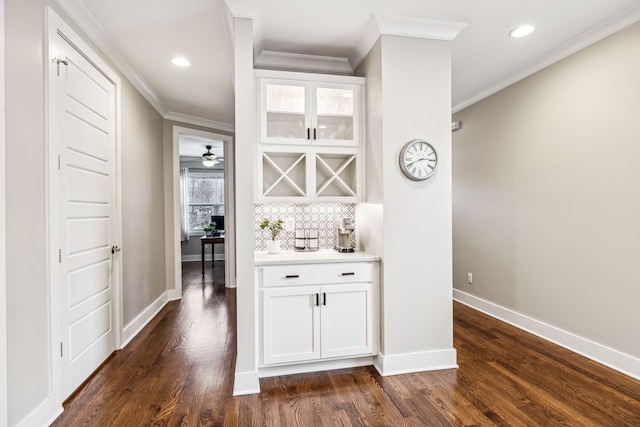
x=418, y=160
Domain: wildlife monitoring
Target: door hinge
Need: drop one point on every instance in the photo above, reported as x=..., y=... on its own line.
x=61, y=354
x=58, y=62
x=60, y=256
x=58, y=161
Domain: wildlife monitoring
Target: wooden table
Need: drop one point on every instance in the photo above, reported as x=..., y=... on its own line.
x=212, y=240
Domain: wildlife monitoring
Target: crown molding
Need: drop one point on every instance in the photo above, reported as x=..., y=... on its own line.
x=607, y=28
x=271, y=60
x=199, y=121
x=403, y=26
x=93, y=29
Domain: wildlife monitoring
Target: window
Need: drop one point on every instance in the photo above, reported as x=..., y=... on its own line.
x=206, y=197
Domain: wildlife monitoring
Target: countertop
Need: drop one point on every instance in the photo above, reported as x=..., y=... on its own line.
x=318, y=257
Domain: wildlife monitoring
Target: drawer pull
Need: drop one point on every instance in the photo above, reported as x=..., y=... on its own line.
x=291, y=276
x=349, y=274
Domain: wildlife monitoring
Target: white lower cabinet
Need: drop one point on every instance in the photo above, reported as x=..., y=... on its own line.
x=312, y=322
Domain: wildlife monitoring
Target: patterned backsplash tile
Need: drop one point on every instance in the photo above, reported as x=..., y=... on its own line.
x=322, y=216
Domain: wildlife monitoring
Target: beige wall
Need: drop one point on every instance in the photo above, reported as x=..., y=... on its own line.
x=28, y=328
x=142, y=204
x=546, y=200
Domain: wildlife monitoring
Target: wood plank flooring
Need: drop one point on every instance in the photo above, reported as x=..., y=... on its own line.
x=179, y=372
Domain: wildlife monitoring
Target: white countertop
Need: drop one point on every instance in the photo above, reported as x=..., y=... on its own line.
x=318, y=257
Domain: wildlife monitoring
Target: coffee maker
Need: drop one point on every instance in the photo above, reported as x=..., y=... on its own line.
x=344, y=235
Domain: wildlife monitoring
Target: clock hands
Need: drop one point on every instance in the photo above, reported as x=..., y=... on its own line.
x=416, y=161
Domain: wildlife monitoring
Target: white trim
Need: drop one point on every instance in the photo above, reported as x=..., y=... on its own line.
x=404, y=26
x=614, y=359
x=246, y=383
x=611, y=26
x=54, y=25
x=134, y=327
x=207, y=257
x=43, y=415
x=322, y=365
x=199, y=121
x=176, y=255
x=306, y=77
x=299, y=62
x=407, y=363
x=4, y=421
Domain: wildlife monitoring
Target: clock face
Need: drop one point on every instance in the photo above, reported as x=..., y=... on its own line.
x=418, y=160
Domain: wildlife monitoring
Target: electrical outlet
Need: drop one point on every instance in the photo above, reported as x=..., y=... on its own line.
x=289, y=225
x=470, y=278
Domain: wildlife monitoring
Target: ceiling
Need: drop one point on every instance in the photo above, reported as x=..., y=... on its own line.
x=194, y=146
x=142, y=36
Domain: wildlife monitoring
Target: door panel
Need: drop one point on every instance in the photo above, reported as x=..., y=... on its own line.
x=85, y=113
x=347, y=320
x=291, y=324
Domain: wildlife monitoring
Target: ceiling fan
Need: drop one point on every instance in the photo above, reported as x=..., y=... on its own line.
x=209, y=159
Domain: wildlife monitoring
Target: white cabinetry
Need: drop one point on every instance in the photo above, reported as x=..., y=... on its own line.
x=303, y=111
x=310, y=144
x=316, y=312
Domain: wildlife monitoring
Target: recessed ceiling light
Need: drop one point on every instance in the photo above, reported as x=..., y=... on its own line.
x=525, y=30
x=181, y=62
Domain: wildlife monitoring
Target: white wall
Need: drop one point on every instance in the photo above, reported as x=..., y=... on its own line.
x=246, y=378
x=410, y=97
x=546, y=200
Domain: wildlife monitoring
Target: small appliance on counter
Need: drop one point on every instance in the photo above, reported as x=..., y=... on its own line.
x=344, y=235
x=306, y=239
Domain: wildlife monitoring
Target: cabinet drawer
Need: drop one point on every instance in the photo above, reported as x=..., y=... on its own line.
x=311, y=274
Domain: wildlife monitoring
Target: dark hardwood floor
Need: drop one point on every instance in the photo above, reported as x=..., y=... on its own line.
x=179, y=372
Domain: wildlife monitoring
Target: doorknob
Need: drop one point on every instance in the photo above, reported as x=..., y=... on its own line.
x=115, y=249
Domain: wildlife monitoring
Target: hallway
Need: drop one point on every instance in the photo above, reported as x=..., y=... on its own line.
x=178, y=369
x=179, y=372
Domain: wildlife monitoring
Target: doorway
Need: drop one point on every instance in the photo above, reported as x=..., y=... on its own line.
x=191, y=218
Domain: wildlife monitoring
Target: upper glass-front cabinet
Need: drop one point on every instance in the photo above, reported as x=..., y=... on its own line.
x=307, y=112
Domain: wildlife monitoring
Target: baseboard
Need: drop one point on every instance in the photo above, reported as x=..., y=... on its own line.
x=325, y=365
x=207, y=257
x=174, y=294
x=614, y=359
x=45, y=414
x=246, y=383
x=407, y=363
x=136, y=325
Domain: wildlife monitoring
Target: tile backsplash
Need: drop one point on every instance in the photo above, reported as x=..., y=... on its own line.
x=322, y=216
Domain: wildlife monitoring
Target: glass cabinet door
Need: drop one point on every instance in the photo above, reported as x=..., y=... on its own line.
x=285, y=107
x=334, y=110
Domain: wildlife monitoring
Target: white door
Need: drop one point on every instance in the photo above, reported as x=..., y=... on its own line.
x=347, y=319
x=85, y=111
x=291, y=328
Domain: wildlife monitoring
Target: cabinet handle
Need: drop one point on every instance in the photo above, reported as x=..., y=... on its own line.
x=314, y=133
x=291, y=276
x=317, y=300
x=349, y=274
x=324, y=298
x=308, y=133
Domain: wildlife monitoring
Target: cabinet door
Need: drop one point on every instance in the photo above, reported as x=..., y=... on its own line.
x=335, y=111
x=347, y=319
x=284, y=111
x=291, y=328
